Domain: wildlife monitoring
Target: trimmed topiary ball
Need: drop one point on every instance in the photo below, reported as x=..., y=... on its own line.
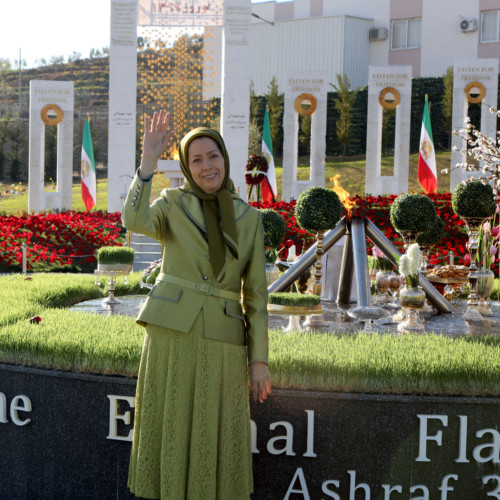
x=412, y=212
x=472, y=198
x=433, y=235
x=318, y=209
x=274, y=228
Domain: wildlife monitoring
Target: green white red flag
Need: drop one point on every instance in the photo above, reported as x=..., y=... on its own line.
x=88, y=177
x=427, y=176
x=269, y=189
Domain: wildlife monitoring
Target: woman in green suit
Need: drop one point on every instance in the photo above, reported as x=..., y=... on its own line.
x=205, y=323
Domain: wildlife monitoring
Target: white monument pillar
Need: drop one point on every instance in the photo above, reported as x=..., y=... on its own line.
x=51, y=105
x=122, y=100
x=389, y=87
x=474, y=81
x=235, y=88
x=306, y=94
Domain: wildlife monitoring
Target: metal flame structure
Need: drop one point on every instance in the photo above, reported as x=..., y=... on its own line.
x=355, y=260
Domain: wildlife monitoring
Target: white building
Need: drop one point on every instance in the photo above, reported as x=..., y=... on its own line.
x=346, y=36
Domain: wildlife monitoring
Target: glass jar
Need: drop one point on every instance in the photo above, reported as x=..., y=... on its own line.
x=484, y=287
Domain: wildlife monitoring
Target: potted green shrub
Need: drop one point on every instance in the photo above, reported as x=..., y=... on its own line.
x=472, y=199
x=430, y=237
x=411, y=214
x=274, y=233
x=318, y=210
x=474, y=202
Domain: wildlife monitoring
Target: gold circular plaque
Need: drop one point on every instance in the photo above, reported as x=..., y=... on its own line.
x=475, y=92
x=306, y=104
x=389, y=98
x=52, y=114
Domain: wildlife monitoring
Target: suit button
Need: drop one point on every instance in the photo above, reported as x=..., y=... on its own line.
x=132, y=203
x=204, y=278
x=134, y=198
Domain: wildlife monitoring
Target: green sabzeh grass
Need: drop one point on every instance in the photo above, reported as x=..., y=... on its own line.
x=115, y=255
x=325, y=361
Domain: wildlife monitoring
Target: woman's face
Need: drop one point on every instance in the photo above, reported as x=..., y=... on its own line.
x=206, y=164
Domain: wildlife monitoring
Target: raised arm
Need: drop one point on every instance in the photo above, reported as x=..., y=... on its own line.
x=157, y=133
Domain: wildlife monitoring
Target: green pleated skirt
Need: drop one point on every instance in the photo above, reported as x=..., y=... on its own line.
x=192, y=420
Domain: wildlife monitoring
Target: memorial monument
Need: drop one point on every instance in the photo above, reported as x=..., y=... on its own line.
x=474, y=81
x=389, y=87
x=51, y=105
x=305, y=94
x=126, y=15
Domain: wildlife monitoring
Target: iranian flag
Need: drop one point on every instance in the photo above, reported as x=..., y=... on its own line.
x=427, y=176
x=89, y=188
x=269, y=189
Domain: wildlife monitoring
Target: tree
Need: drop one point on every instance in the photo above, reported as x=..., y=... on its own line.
x=275, y=102
x=5, y=65
x=17, y=136
x=4, y=138
x=57, y=60
x=447, y=102
x=344, y=104
x=75, y=56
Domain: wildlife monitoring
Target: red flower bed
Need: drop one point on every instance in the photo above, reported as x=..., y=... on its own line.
x=73, y=237
x=59, y=239
x=377, y=209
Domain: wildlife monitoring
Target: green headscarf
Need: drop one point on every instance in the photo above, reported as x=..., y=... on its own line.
x=218, y=207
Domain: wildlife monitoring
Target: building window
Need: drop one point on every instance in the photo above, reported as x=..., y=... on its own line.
x=406, y=34
x=490, y=26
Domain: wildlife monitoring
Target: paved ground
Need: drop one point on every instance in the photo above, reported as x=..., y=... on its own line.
x=338, y=320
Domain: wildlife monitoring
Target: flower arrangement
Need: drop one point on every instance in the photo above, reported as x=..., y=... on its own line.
x=379, y=261
x=488, y=244
x=256, y=170
x=409, y=264
x=483, y=149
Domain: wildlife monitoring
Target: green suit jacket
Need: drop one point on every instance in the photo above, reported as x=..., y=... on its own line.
x=235, y=307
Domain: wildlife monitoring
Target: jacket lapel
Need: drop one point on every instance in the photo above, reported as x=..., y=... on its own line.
x=194, y=210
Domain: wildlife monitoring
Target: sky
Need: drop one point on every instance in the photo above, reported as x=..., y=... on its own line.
x=45, y=28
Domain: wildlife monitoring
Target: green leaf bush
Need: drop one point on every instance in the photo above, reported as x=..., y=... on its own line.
x=274, y=228
x=412, y=212
x=472, y=198
x=433, y=235
x=318, y=209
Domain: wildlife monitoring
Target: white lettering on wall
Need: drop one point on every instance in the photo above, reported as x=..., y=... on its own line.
x=444, y=488
x=424, y=437
x=494, y=446
x=496, y=492
x=114, y=416
x=288, y=438
x=330, y=493
x=299, y=474
x=18, y=403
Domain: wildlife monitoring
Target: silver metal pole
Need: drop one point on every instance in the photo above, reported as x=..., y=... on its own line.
x=391, y=252
x=25, y=258
x=346, y=269
x=307, y=260
x=361, y=262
